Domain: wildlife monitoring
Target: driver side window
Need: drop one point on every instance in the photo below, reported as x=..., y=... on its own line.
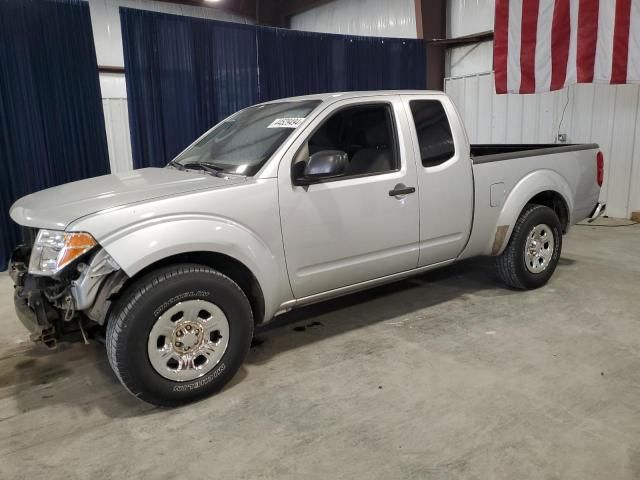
x=365, y=133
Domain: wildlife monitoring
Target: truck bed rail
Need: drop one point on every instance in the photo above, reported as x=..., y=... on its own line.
x=485, y=153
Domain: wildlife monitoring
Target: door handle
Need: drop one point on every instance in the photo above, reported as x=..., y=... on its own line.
x=400, y=190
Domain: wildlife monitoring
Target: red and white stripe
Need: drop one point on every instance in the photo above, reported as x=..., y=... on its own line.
x=544, y=45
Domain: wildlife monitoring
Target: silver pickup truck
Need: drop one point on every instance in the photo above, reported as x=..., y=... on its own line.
x=284, y=204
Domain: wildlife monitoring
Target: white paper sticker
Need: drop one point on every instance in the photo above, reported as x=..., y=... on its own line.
x=286, y=122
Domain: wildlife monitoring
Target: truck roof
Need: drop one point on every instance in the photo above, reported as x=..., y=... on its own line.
x=348, y=95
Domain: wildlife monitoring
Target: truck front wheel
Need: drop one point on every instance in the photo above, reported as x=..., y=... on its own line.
x=179, y=334
x=533, y=250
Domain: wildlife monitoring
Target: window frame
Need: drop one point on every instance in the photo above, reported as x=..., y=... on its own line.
x=395, y=144
x=415, y=128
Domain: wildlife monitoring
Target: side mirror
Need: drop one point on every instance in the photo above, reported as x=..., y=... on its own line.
x=325, y=164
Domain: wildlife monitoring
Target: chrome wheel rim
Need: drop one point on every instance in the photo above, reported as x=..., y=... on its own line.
x=538, y=249
x=188, y=340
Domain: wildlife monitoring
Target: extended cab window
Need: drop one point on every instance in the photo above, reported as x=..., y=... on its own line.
x=434, y=133
x=365, y=133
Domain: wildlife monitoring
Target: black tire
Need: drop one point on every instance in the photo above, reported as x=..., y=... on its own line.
x=144, y=301
x=511, y=265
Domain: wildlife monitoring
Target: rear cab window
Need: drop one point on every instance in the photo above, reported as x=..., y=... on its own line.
x=435, y=138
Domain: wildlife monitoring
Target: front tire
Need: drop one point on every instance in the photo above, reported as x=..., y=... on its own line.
x=179, y=334
x=534, y=249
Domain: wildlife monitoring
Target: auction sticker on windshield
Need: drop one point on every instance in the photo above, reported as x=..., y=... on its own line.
x=286, y=122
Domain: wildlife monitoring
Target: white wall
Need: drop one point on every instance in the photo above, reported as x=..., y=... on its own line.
x=604, y=114
x=116, y=120
x=105, y=20
x=375, y=18
x=466, y=17
x=469, y=59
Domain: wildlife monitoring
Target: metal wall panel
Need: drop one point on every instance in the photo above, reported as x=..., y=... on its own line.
x=375, y=18
x=118, y=139
x=116, y=119
x=465, y=17
x=604, y=114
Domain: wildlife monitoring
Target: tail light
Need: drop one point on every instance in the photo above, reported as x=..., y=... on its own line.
x=600, y=168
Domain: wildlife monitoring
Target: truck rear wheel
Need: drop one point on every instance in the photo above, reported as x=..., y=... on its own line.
x=534, y=249
x=179, y=334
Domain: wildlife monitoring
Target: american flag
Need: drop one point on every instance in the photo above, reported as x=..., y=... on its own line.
x=544, y=45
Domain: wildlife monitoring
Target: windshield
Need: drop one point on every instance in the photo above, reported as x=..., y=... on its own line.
x=242, y=143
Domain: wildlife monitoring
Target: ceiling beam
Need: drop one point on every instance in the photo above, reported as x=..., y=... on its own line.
x=418, y=9
x=275, y=13
x=278, y=13
x=244, y=8
x=293, y=7
x=434, y=25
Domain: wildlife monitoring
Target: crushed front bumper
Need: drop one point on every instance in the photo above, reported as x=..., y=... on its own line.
x=37, y=316
x=63, y=307
x=32, y=308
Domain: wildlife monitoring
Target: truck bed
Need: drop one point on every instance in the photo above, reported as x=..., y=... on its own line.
x=483, y=153
x=498, y=170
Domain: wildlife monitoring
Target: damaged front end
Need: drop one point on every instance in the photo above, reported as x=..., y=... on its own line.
x=68, y=305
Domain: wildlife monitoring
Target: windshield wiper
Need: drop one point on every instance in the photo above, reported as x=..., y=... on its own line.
x=207, y=167
x=175, y=164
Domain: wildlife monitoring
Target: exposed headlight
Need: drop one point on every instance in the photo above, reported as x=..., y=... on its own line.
x=54, y=250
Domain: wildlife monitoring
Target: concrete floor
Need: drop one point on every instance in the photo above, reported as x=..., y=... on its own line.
x=447, y=375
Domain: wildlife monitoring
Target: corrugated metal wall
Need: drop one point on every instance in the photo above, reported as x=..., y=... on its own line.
x=117, y=125
x=465, y=17
x=375, y=18
x=116, y=116
x=604, y=114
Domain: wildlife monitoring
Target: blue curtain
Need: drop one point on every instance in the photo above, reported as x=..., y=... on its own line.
x=51, y=121
x=298, y=63
x=185, y=74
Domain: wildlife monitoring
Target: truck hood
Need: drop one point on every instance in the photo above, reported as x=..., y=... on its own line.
x=55, y=208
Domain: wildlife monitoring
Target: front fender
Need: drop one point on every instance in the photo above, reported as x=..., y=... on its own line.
x=140, y=245
x=528, y=187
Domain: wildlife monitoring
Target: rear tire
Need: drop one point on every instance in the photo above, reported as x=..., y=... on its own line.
x=534, y=249
x=201, y=342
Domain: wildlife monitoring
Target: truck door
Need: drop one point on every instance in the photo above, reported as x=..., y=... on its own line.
x=363, y=224
x=445, y=177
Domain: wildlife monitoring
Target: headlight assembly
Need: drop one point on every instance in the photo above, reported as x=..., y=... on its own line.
x=54, y=250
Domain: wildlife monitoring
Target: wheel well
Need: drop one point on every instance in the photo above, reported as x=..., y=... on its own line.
x=555, y=202
x=226, y=265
